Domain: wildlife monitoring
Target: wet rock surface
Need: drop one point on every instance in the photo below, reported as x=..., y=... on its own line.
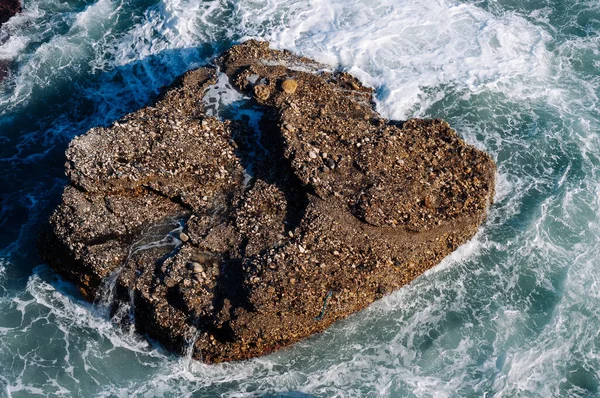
x=8, y=8
x=236, y=236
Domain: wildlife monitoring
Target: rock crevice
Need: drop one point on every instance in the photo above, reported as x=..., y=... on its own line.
x=296, y=208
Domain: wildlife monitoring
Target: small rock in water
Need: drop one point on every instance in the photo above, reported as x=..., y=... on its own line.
x=8, y=8
x=289, y=86
x=183, y=237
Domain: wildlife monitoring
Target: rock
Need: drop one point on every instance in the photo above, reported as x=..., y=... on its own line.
x=330, y=163
x=197, y=268
x=262, y=92
x=289, y=86
x=4, y=69
x=9, y=8
x=183, y=237
x=277, y=259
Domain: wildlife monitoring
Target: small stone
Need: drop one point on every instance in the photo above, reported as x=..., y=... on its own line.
x=312, y=155
x=429, y=202
x=293, y=281
x=336, y=253
x=330, y=163
x=183, y=237
x=289, y=86
x=301, y=249
x=196, y=267
x=262, y=92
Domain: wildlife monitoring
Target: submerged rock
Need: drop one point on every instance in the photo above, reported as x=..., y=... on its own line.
x=234, y=238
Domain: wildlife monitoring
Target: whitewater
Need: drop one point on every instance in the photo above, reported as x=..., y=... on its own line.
x=515, y=312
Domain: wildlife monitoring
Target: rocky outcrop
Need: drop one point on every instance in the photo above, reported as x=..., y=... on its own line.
x=8, y=8
x=240, y=235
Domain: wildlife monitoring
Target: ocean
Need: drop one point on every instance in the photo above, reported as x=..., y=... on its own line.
x=515, y=312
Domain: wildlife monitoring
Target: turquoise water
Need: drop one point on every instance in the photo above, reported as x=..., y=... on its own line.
x=514, y=312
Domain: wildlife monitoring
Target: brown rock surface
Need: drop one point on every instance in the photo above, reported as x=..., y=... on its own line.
x=238, y=241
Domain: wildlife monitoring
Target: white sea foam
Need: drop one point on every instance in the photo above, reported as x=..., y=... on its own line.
x=220, y=96
x=406, y=49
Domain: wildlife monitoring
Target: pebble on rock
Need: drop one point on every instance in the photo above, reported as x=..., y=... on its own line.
x=262, y=92
x=289, y=86
x=197, y=268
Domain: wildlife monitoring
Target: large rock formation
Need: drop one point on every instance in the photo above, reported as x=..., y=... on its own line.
x=241, y=236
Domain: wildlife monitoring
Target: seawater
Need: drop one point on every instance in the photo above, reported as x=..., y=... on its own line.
x=515, y=312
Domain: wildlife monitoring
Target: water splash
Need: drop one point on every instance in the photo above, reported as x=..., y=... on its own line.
x=151, y=238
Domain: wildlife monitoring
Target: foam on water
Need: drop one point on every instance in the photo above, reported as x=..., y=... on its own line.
x=408, y=48
x=514, y=312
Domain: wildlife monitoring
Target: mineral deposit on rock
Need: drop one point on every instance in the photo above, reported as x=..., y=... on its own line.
x=239, y=235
